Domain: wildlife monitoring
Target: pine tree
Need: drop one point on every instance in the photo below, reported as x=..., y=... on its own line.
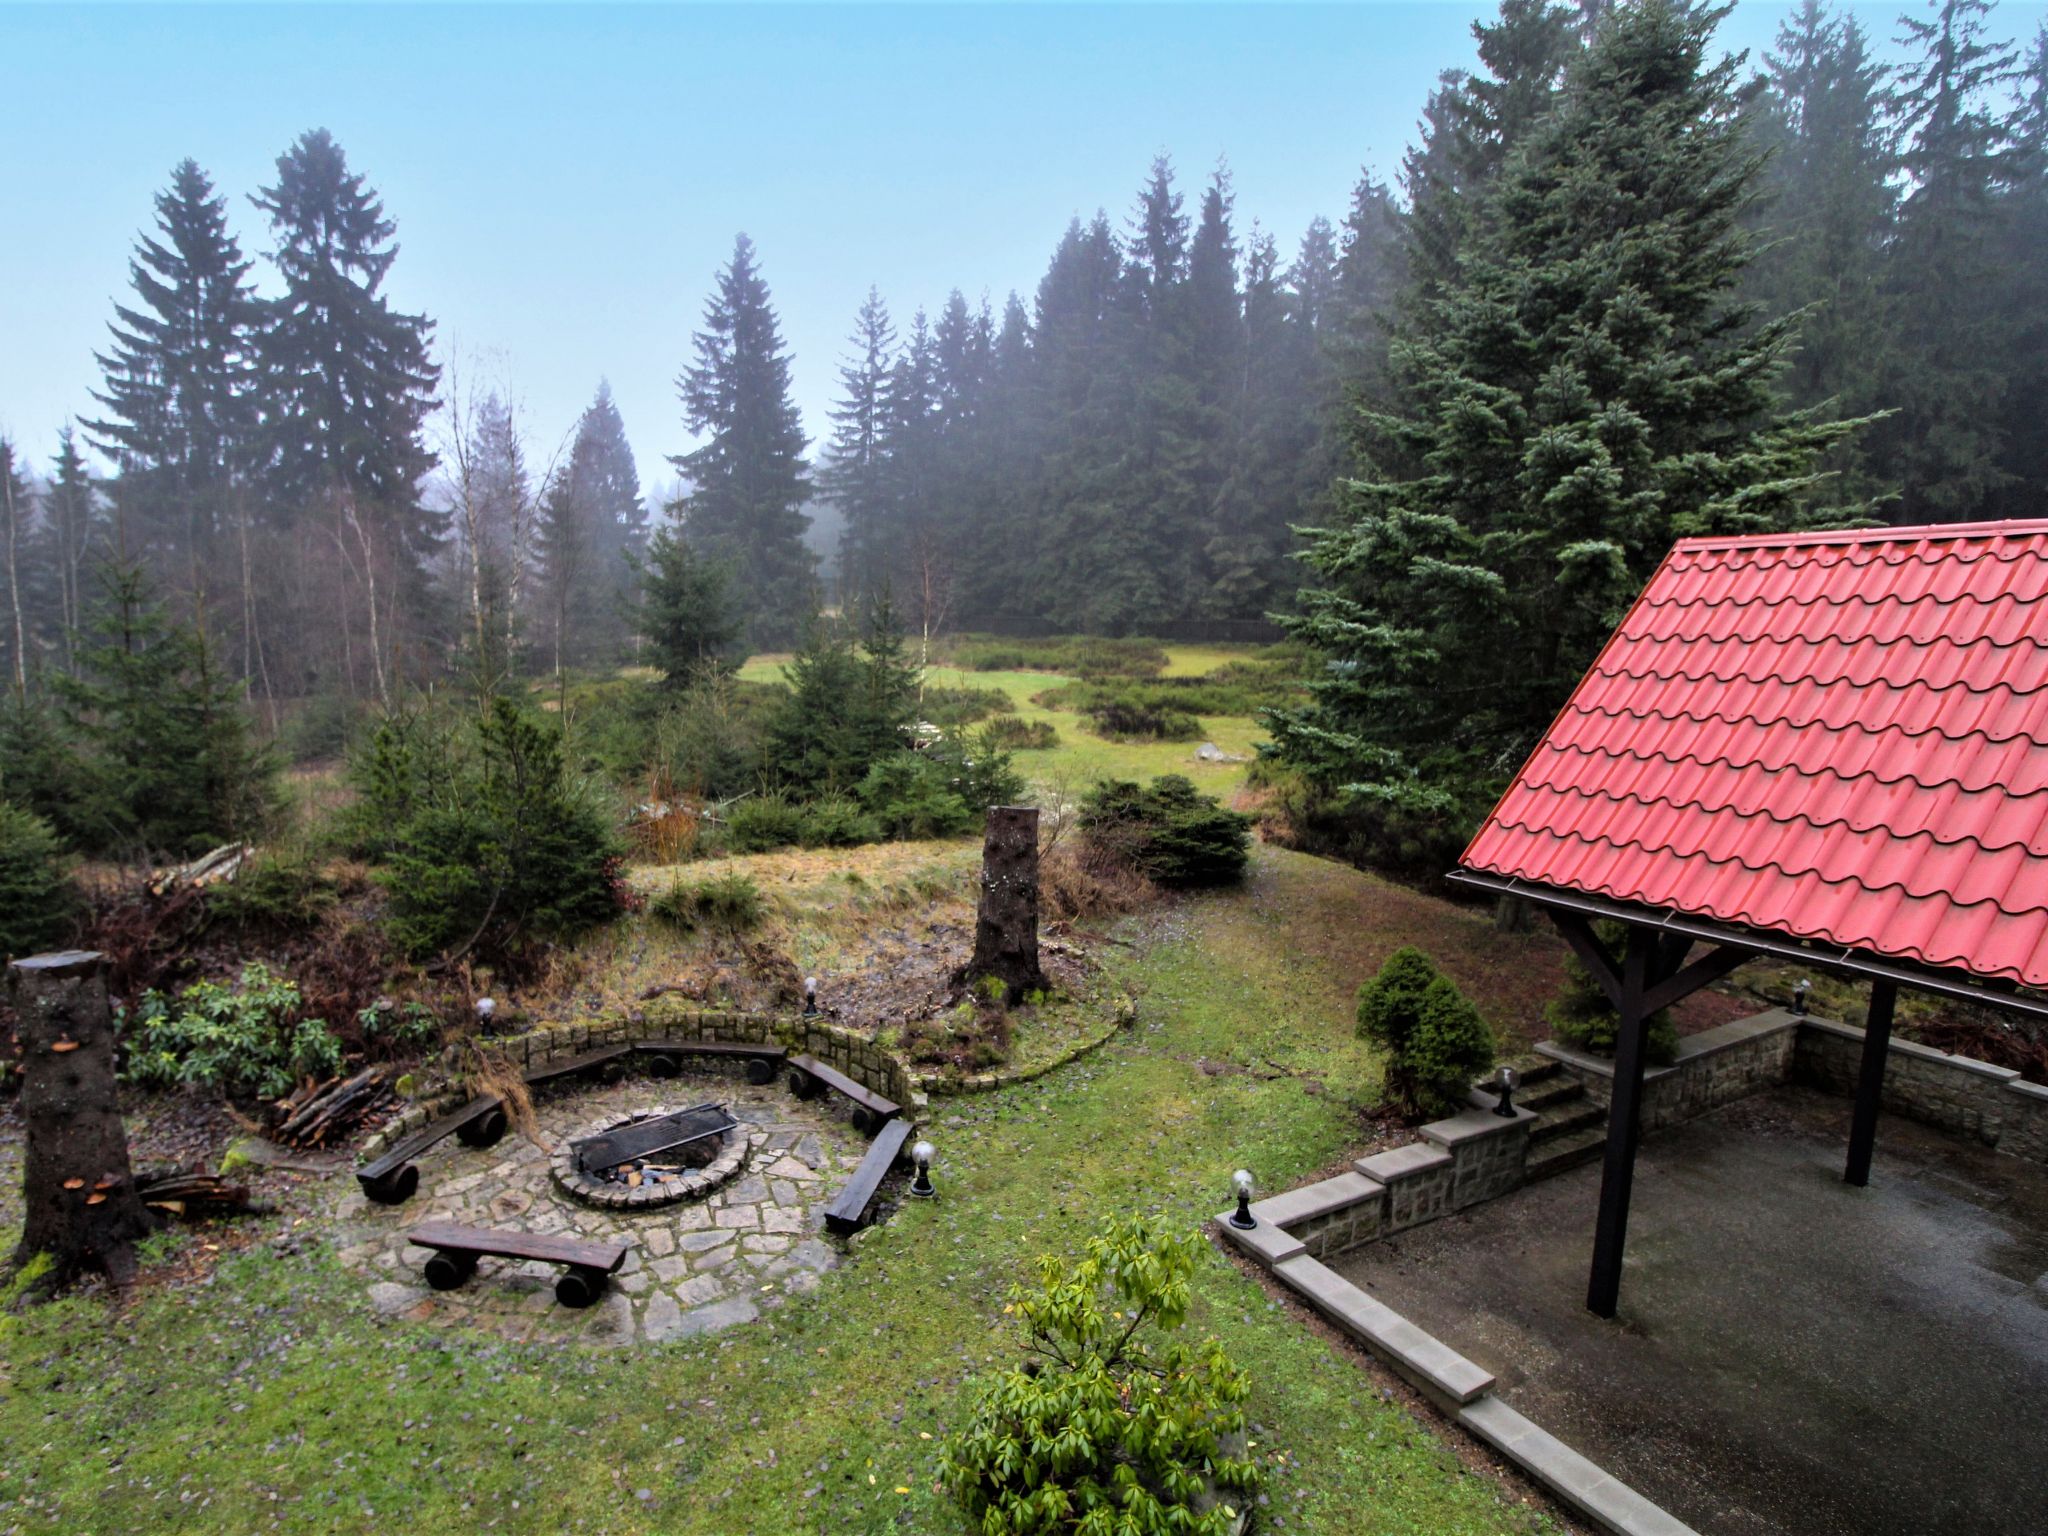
x=1590, y=388
x=1943, y=448
x=592, y=530
x=855, y=472
x=747, y=483
x=74, y=526
x=180, y=419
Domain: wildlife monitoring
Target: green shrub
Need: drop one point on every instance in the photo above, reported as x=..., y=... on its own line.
x=912, y=795
x=763, y=823
x=1119, y=721
x=1110, y=1424
x=283, y=892
x=1435, y=1040
x=1010, y=733
x=501, y=847
x=243, y=1040
x=407, y=1026
x=1083, y=655
x=1169, y=832
x=37, y=898
x=731, y=900
x=1581, y=1015
x=955, y=707
x=838, y=822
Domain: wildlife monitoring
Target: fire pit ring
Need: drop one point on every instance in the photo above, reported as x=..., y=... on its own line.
x=677, y=1172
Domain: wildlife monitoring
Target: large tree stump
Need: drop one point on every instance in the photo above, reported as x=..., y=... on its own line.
x=78, y=1194
x=1006, y=918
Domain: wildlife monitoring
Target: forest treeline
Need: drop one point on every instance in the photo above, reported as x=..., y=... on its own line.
x=341, y=512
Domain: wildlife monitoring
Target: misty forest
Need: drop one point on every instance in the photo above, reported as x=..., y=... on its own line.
x=396, y=751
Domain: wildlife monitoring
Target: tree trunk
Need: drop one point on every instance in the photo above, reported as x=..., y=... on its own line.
x=78, y=1194
x=1006, y=918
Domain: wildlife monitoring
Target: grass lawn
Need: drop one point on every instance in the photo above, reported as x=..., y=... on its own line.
x=272, y=1398
x=1082, y=757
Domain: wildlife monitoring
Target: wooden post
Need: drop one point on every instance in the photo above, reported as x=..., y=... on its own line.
x=79, y=1201
x=1624, y=1126
x=1006, y=917
x=1877, y=1040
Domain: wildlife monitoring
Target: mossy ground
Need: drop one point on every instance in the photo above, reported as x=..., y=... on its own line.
x=271, y=1398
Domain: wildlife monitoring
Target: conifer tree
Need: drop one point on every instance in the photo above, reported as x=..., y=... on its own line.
x=178, y=378
x=747, y=482
x=1943, y=447
x=688, y=613
x=2025, y=305
x=73, y=527
x=855, y=471
x=592, y=529
x=1588, y=388
x=347, y=379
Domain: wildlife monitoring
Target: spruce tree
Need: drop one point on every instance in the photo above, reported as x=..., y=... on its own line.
x=1589, y=388
x=74, y=525
x=855, y=472
x=1827, y=214
x=178, y=378
x=2025, y=295
x=592, y=530
x=688, y=614
x=347, y=380
x=747, y=482
x=1943, y=448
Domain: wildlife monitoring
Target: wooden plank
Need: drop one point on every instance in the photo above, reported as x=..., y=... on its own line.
x=447, y=1236
x=847, y=1213
x=426, y=1137
x=832, y=1077
x=576, y=1064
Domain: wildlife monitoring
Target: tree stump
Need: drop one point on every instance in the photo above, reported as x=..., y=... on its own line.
x=79, y=1198
x=1006, y=918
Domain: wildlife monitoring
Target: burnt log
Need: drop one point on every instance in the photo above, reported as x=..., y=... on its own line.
x=79, y=1200
x=1006, y=916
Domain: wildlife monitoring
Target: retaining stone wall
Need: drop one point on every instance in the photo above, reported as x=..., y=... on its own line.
x=1970, y=1098
x=1715, y=1067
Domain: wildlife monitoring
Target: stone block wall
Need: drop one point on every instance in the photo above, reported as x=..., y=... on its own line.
x=1716, y=1067
x=1955, y=1093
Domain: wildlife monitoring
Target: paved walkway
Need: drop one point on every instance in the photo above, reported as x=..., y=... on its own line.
x=690, y=1268
x=1792, y=1355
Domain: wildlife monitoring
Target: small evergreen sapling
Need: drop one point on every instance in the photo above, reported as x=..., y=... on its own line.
x=1111, y=1426
x=1582, y=1016
x=1435, y=1040
x=37, y=897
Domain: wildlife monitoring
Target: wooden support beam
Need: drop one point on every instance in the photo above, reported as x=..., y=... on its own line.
x=1877, y=1040
x=1591, y=952
x=1679, y=985
x=1624, y=1123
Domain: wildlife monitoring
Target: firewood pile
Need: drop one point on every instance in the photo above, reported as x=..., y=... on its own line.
x=192, y=1192
x=321, y=1114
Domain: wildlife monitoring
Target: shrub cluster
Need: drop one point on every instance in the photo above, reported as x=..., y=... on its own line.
x=1119, y=721
x=731, y=901
x=1167, y=831
x=1111, y=1423
x=245, y=1040
x=1011, y=733
x=1435, y=1040
x=1581, y=1014
x=955, y=707
x=1079, y=655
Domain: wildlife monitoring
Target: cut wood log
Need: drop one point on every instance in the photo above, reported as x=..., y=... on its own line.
x=326, y=1110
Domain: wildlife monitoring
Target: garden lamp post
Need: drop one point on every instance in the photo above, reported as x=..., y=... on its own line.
x=1505, y=1081
x=1799, y=991
x=1242, y=1218
x=810, y=997
x=921, y=1184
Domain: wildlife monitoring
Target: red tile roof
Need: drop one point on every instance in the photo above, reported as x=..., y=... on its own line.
x=1841, y=736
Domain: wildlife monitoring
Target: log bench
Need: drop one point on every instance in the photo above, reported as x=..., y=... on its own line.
x=848, y=1212
x=392, y=1178
x=808, y=1077
x=666, y=1056
x=587, y=1267
x=570, y=1066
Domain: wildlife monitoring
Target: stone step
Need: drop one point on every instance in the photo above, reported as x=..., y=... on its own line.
x=1583, y=1146
x=1560, y=1090
x=1566, y=1120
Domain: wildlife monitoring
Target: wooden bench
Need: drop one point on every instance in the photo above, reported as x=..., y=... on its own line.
x=848, y=1212
x=761, y=1060
x=808, y=1077
x=392, y=1178
x=588, y=1269
x=570, y=1066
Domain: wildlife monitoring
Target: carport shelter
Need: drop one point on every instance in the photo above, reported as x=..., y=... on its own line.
x=1828, y=747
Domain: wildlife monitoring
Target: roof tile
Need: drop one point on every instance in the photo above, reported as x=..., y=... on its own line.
x=1842, y=737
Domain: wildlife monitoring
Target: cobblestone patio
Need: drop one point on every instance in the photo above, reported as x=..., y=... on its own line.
x=690, y=1269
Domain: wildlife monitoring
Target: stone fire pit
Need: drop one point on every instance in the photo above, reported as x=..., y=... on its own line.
x=664, y=1177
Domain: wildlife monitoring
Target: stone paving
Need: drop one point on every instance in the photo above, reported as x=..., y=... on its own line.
x=690, y=1269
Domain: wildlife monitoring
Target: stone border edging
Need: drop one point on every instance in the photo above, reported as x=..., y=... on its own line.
x=1126, y=1014
x=855, y=1055
x=1460, y=1388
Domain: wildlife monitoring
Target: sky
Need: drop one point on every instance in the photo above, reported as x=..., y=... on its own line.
x=567, y=180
